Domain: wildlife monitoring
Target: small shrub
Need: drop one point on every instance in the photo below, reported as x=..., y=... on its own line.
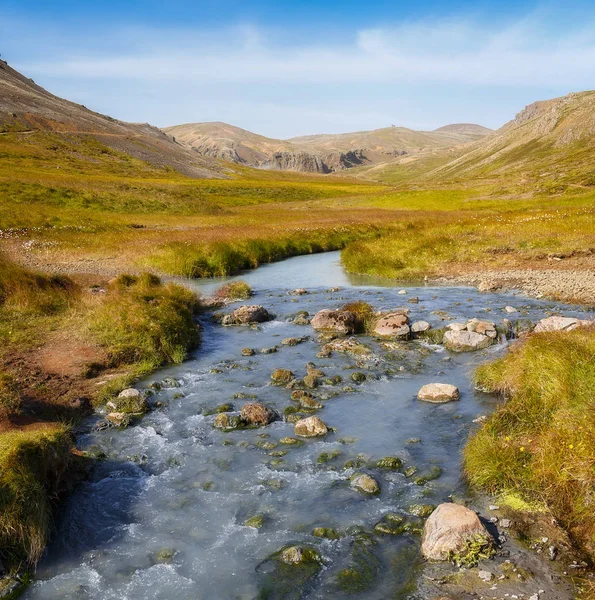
x=236, y=290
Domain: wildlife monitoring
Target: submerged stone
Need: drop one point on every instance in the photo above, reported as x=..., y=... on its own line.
x=390, y=462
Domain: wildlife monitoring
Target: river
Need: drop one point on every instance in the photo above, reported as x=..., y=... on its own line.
x=163, y=516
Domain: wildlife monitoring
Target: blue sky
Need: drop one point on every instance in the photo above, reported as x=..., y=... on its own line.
x=291, y=68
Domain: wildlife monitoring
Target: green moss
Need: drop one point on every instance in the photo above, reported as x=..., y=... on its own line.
x=390, y=462
x=480, y=547
x=326, y=533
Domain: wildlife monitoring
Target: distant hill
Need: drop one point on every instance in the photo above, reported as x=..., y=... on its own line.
x=27, y=107
x=323, y=153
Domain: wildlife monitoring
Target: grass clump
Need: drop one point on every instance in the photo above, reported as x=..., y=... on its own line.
x=32, y=464
x=236, y=290
x=144, y=323
x=10, y=396
x=539, y=446
x=364, y=313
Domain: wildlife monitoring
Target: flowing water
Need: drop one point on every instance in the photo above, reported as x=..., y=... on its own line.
x=163, y=516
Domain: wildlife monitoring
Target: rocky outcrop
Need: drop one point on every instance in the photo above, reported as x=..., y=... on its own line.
x=449, y=530
x=438, y=393
x=337, y=321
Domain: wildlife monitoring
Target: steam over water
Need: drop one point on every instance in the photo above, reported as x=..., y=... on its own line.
x=162, y=517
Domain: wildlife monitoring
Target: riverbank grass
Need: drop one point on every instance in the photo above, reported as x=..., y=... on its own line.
x=539, y=445
x=32, y=466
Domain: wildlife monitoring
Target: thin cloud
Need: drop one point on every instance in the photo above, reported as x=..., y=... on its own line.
x=526, y=53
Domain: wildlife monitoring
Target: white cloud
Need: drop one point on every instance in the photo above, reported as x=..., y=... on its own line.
x=525, y=53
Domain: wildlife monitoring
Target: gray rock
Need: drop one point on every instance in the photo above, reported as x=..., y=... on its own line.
x=339, y=321
x=438, y=392
x=466, y=341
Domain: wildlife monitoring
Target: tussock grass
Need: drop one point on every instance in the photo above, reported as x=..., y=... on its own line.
x=540, y=444
x=236, y=290
x=144, y=323
x=365, y=314
x=32, y=464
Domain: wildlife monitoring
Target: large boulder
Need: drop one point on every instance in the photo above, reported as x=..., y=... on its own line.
x=247, y=314
x=438, y=392
x=466, y=341
x=255, y=413
x=449, y=530
x=310, y=427
x=560, y=324
x=393, y=325
x=338, y=321
x=128, y=401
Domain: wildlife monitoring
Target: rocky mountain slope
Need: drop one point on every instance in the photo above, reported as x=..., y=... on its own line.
x=324, y=153
x=548, y=140
x=26, y=107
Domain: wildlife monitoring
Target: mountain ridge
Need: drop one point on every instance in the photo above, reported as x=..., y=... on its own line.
x=323, y=153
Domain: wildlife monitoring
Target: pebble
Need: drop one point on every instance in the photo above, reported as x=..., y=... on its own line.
x=486, y=576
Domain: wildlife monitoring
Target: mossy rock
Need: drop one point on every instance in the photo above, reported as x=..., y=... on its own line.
x=281, y=376
x=227, y=422
x=266, y=445
x=422, y=510
x=289, y=441
x=311, y=381
x=390, y=462
x=433, y=473
x=355, y=463
x=410, y=471
x=362, y=573
x=222, y=408
x=479, y=547
x=256, y=521
x=274, y=485
x=326, y=457
x=326, y=533
x=164, y=556
x=358, y=377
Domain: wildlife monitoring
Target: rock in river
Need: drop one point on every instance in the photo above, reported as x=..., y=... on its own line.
x=255, y=413
x=449, y=530
x=339, y=321
x=364, y=483
x=466, y=341
x=310, y=427
x=247, y=314
x=281, y=376
x=393, y=325
x=438, y=392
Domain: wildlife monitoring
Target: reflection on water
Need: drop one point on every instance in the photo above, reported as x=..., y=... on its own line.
x=164, y=515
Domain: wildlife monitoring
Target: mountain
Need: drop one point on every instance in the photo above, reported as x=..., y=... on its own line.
x=548, y=140
x=26, y=107
x=323, y=153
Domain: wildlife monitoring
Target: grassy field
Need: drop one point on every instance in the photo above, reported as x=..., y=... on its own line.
x=540, y=444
